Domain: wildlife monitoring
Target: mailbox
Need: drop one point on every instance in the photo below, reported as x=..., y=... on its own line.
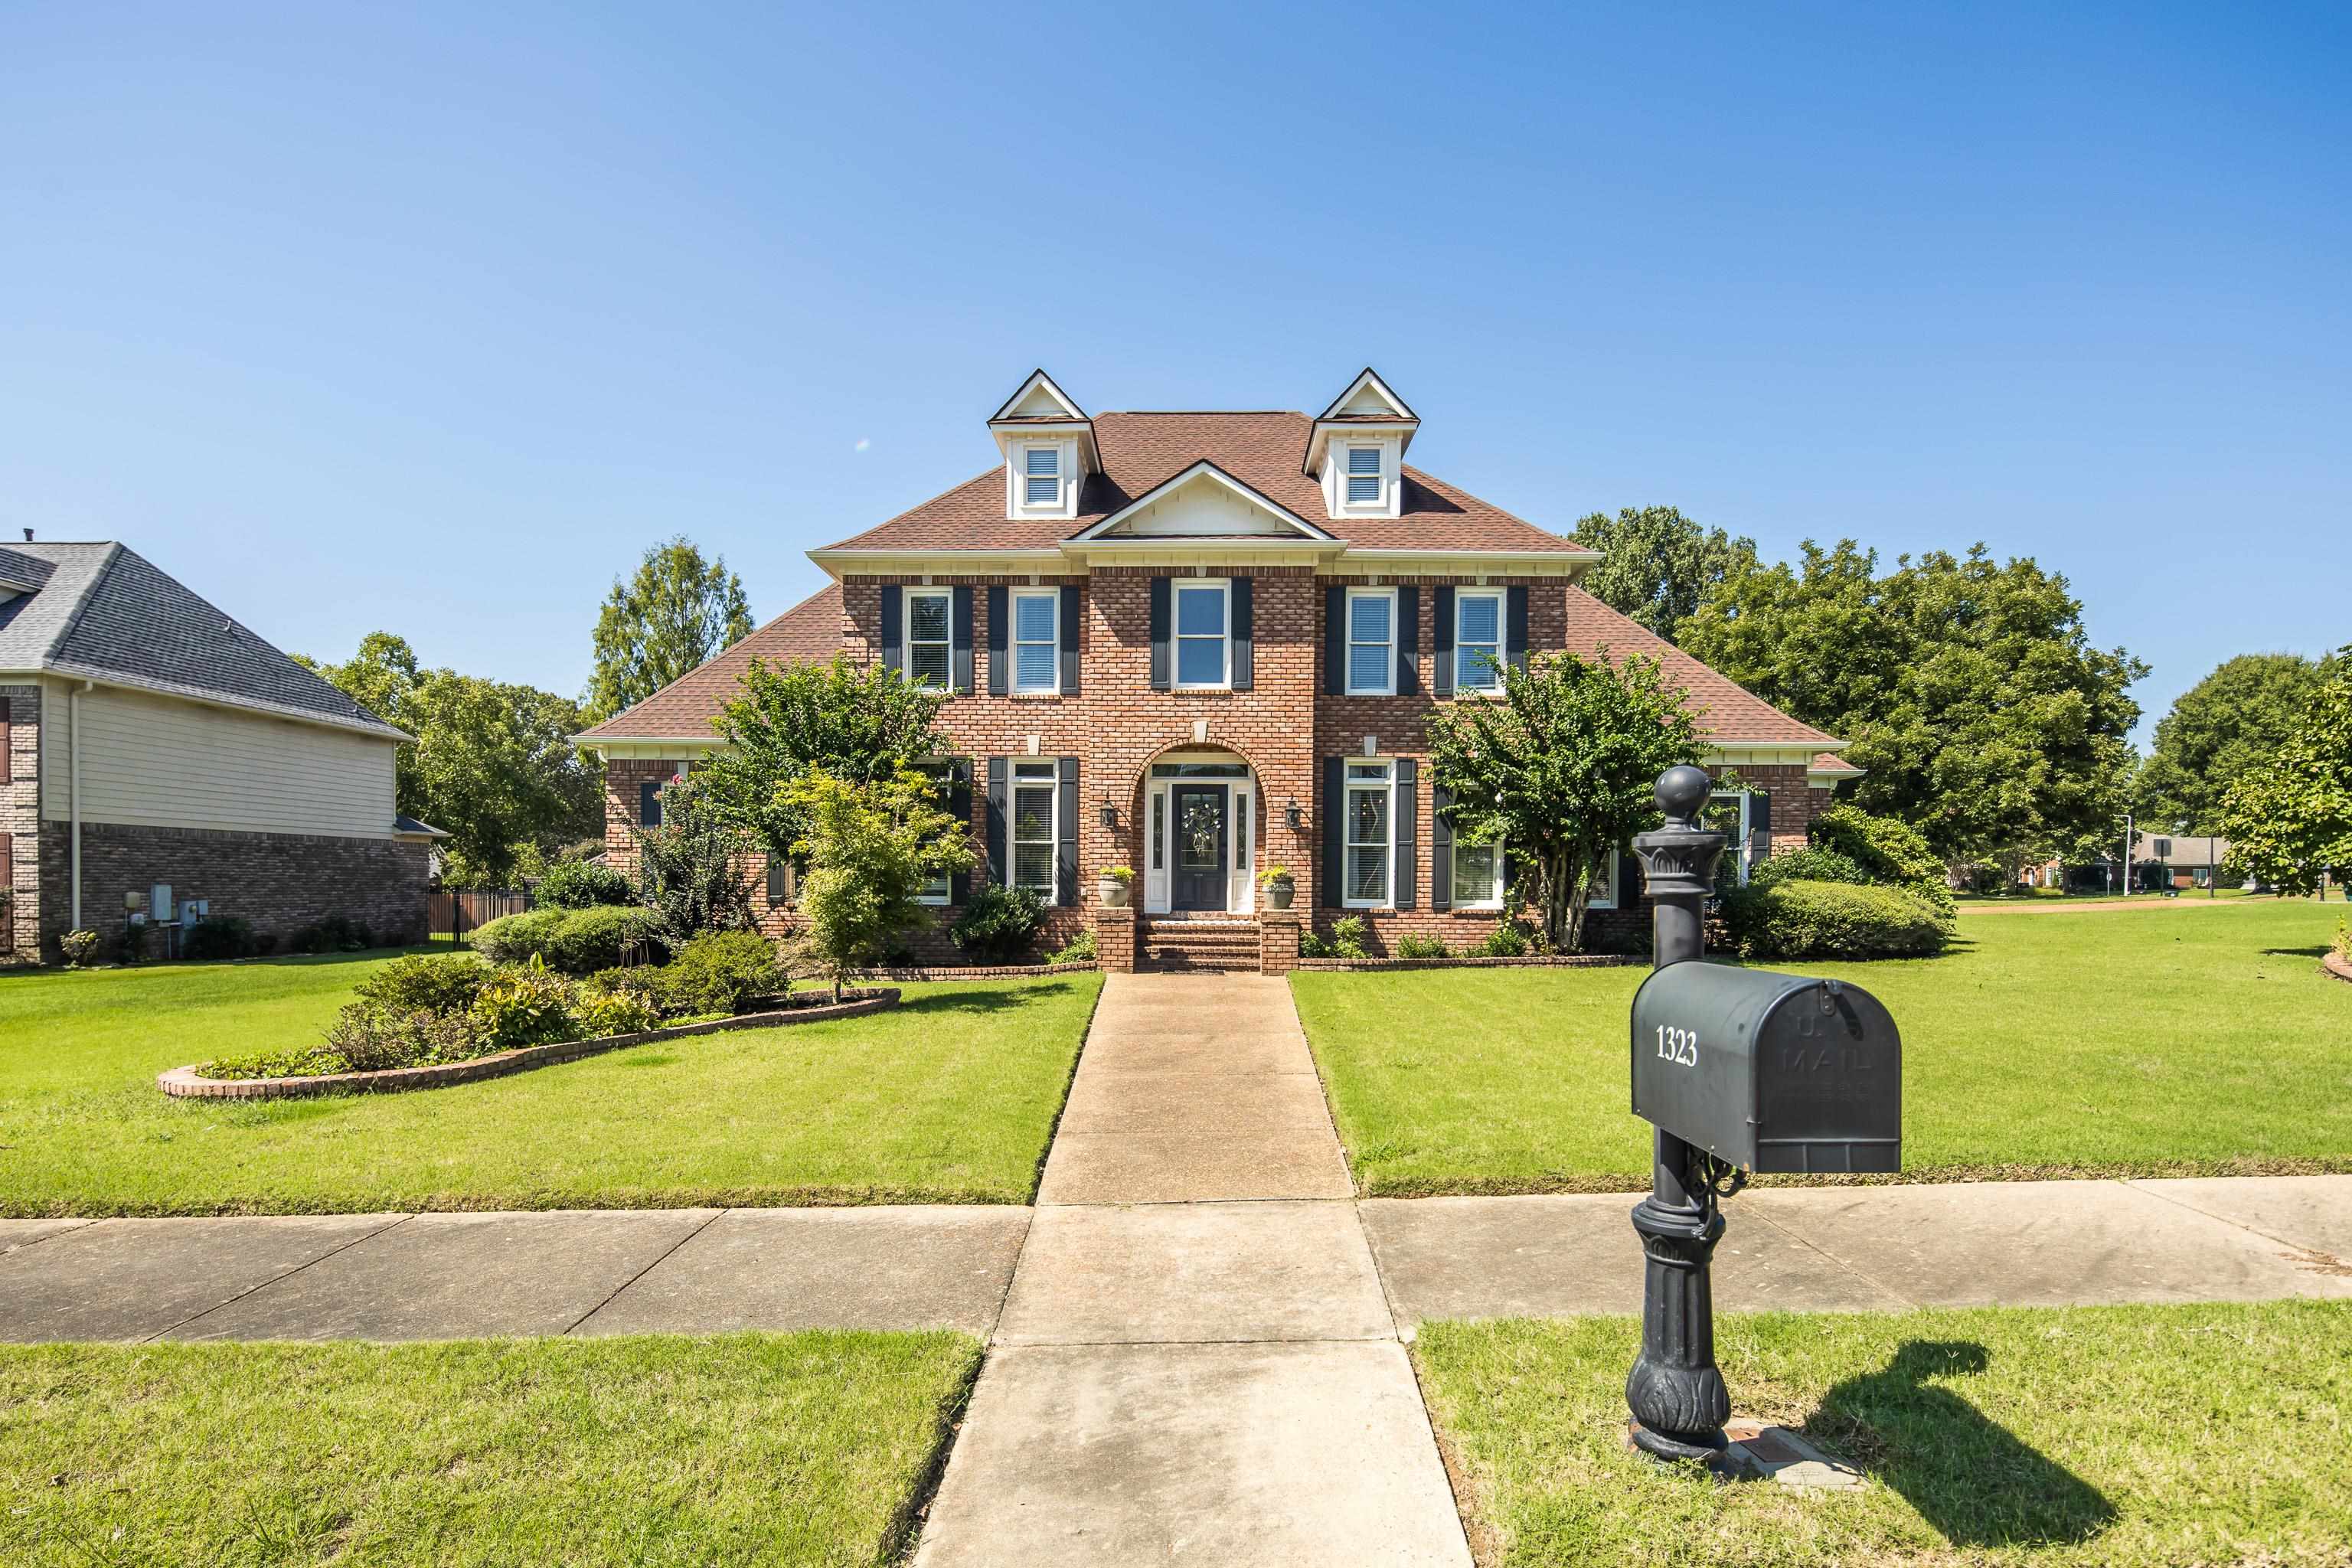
x=1770, y=1072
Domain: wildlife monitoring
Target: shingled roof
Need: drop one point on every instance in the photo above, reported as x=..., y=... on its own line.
x=808, y=633
x=103, y=612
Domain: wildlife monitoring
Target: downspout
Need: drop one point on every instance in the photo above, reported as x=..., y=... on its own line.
x=73, y=790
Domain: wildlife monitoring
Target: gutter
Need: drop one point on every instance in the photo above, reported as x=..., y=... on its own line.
x=73, y=798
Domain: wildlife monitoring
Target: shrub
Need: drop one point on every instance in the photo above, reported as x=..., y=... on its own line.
x=1833, y=920
x=79, y=947
x=336, y=933
x=1508, y=940
x=575, y=941
x=1348, y=938
x=615, y=1012
x=1311, y=945
x=1890, y=852
x=1081, y=950
x=365, y=1038
x=219, y=936
x=715, y=972
x=998, y=923
x=2342, y=943
x=578, y=885
x=513, y=939
x=1420, y=947
x=524, y=1004
x=134, y=941
x=441, y=984
x=691, y=868
x=1808, y=863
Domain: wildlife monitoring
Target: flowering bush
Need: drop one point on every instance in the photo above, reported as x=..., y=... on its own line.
x=79, y=947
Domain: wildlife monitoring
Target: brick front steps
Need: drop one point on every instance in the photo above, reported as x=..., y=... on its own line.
x=187, y=1083
x=1219, y=946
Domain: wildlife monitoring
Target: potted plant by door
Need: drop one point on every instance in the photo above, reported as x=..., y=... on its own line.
x=1279, y=889
x=1112, y=884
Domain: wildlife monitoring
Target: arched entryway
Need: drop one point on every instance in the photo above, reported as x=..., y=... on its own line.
x=1201, y=818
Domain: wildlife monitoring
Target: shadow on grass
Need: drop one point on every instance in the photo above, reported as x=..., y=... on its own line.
x=991, y=1001
x=1976, y=1481
x=2320, y=951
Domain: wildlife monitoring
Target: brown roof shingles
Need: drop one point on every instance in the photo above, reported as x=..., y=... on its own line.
x=808, y=633
x=1726, y=709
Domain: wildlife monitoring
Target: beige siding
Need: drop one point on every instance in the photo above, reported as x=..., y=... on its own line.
x=154, y=761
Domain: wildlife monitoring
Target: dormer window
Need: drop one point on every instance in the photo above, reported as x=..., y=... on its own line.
x=1043, y=477
x=1049, y=449
x=1356, y=448
x=1363, y=475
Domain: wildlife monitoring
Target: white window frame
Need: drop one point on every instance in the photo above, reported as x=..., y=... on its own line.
x=1614, y=861
x=1738, y=848
x=1348, y=474
x=943, y=774
x=1495, y=901
x=1501, y=645
x=946, y=645
x=1351, y=781
x=1032, y=774
x=1029, y=475
x=1014, y=642
x=1350, y=642
x=1177, y=637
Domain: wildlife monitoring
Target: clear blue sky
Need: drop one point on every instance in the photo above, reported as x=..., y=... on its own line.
x=431, y=317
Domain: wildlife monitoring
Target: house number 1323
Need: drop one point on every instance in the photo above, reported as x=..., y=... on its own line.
x=1678, y=1046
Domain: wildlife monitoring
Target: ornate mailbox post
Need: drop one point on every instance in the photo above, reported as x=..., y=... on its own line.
x=1675, y=1391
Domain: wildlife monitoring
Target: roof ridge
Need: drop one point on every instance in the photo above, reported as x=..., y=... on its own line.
x=115, y=551
x=1229, y=413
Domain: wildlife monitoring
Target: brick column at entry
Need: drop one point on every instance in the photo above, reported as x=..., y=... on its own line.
x=1115, y=941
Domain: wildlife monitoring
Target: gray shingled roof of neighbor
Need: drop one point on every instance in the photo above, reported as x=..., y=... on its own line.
x=104, y=612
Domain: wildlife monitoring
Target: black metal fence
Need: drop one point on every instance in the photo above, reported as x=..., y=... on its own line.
x=455, y=914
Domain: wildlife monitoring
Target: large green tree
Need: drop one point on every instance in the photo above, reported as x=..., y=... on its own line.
x=1968, y=687
x=1659, y=564
x=671, y=615
x=492, y=763
x=2229, y=724
x=2291, y=820
x=1562, y=770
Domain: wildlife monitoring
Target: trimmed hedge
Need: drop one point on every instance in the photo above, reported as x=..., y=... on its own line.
x=576, y=941
x=1833, y=920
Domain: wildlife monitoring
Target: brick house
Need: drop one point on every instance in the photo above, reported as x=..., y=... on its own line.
x=149, y=742
x=1200, y=644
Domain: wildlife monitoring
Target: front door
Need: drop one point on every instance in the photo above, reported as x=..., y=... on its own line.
x=1201, y=853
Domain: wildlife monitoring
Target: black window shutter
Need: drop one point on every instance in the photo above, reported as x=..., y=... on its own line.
x=1517, y=648
x=1335, y=640
x=1760, y=822
x=649, y=804
x=1335, y=812
x=1408, y=621
x=779, y=881
x=1066, y=862
x=1441, y=642
x=997, y=805
x=1160, y=634
x=1071, y=611
x=960, y=807
x=893, y=638
x=1408, y=832
x=1441, y=849
x=1244, y=643
x=999, y=642
x=961, y=677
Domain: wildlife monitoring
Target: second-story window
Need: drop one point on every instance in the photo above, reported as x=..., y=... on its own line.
x=1478, y=640
x=1203, y=622
x=1372, y=642
x=929, y=614
x=1363, y=475
x=1041, y=479
x=1036, y=643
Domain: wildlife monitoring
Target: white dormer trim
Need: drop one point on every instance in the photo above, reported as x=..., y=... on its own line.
x=1367, y=394
x=1364, y=461
x=1041, y=418
x=1039, y=397
x=1024, y=454
x=1205, y=469
x=1369, y=408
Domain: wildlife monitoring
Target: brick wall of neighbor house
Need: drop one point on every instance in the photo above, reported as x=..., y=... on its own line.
x=20, y=821
x=279, y=881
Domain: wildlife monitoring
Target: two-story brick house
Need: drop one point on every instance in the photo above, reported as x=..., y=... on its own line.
x=1200, y=644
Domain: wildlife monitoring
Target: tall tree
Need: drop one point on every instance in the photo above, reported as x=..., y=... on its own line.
x=1562, y=770
x=672, y=615
x=2232, y=721
x=1968, y=688
x=1659, y=564
x=2292, y=820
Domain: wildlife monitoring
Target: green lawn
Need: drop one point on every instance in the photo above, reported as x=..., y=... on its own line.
x=2090, y=1435
x=2157, y=1041
x=797, y=1448
x=950, y=1098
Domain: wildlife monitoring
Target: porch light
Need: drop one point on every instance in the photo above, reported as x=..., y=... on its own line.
x=1110, y=812
x=1291, y=814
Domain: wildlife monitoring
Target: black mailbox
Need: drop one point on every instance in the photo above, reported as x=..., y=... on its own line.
x=1770, y=1072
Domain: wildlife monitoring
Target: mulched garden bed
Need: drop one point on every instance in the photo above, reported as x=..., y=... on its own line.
x=1556, y=961
x=977, y=971
x=810, y=1007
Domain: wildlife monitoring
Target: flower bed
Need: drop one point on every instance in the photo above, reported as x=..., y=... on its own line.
x=1532, y=961
x=975, y=971
x=189, y=1082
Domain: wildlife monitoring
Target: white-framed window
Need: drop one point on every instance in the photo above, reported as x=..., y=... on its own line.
x=1477, y=639
x=1204, y=614
x=1603, y=895
x=1727, y=813
x=1477, y=873
x=1040, y=476
x=1371, y=845
x=1363, y=476
x=1372, y=642
x=1036, y=639
x=1033, y=827
x=930, y=618
x=941, y=887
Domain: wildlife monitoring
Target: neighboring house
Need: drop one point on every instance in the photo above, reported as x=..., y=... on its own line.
x=1199, y=644
x=147, y=740
x=2176, y=861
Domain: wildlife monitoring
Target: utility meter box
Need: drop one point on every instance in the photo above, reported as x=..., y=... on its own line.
x=1770, y=1072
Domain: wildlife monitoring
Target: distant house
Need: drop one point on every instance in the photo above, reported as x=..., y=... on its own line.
x=152, y=745
x=2175, y=861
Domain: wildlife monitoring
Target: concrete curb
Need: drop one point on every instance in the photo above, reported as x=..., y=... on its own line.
x=187, y=1083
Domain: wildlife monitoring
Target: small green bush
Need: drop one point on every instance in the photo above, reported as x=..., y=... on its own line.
x=580, y=885
x=79, y=947
x=1311, y=945
x=513, y=939
x=573, y=941
x=1808, y=863
x=1081, y=950
x=1420, y=947
x=1509, y=939
x=1890, y=852
x=999, y=924
x=336, y=933
x=718, y=970
x=524, y=1004
x=615, y=1013
x=219, y=936
x=438, y=984
x=2342, y=943
x=1833, y=920
x=366, y=1038
x=134, y=941
x=1348, y=938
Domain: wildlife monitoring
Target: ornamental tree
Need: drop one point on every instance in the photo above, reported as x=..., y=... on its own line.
x=690, y=868
x=2290, y=821
x=870, y=847
x=1562, y=769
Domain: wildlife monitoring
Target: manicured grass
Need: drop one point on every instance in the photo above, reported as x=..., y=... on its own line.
x=798, y=1448
x=2105, y=1435
x=2121, y=1042
x=951, y=1098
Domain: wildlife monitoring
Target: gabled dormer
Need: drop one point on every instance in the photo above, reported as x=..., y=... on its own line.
x=1356, y=450
x=1048, y=442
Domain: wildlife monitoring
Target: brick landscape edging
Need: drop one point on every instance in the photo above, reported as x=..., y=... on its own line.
x=1557, y=960
x=2336, y=966
x=186, y=1083
x=977, y=971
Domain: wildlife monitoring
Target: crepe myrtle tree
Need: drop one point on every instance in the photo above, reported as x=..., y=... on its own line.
x=2291, y=821
x=869, y=847
x=1563, y=769
x=690, y=866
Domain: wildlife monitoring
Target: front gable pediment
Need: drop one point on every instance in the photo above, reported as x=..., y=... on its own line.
x=1203, y=502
